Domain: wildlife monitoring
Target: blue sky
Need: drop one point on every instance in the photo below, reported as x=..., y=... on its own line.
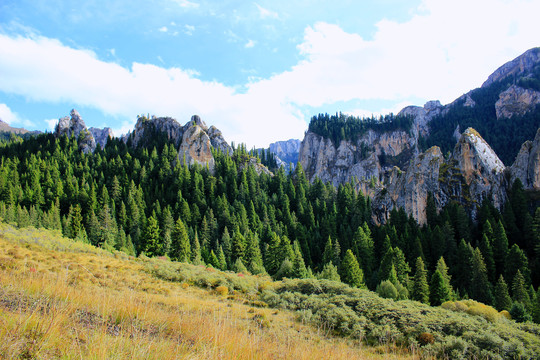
x=256, y=70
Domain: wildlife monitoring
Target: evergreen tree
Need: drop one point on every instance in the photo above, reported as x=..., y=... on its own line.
x=500, y=247
x=502, y=298
x=329, y=272
x=351, y=272
x=439, y=290
x=420, y=287
x=180, y=244
x=480, y=288
x=151, y=238
x=519, y=290
x=196, y=257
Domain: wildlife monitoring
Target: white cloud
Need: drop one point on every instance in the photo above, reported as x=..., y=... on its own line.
x=440, y=53
x=163, y=29
x=249, y=44
x=7, y=116
x=51, y=123
x=189, y=29
x=12, y=118
x=265, y=13
x=186, y=3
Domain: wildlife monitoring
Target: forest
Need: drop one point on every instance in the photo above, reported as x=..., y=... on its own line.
x=145, y=200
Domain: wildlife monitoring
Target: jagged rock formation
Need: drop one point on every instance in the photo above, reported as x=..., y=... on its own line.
x=361, y=159
x=258, y=167
x=526, y=167
x=389, y=167
x=101, y=136
x=75, y=126
x=194, y=140
x=471, y=174
x=218, y=141
x=516, y=101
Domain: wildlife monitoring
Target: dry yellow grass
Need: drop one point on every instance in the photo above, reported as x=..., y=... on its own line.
x=71, y=301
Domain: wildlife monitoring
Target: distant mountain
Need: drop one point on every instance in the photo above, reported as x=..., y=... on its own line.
x=286, y=152
x=399, y=160
x=6, y=129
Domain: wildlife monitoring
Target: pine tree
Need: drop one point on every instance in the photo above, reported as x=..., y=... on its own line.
x=299, y=267
x=519, y=290
x=500, y=247
x=222, y=260
x=420, y=287
x=180, y=244
x=151, y=238
x=480, y=288
x=502, y=300
x=351, y=272
x=329, y=272
x=196, y=257
x=439, y=290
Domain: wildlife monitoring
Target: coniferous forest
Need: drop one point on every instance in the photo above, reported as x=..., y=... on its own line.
x=146, y=200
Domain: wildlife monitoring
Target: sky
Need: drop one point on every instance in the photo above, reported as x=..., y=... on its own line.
x=257, y=70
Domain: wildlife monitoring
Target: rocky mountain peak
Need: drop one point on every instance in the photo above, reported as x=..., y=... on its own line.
x=74, y=125
x=524, y=63
x=101, y=135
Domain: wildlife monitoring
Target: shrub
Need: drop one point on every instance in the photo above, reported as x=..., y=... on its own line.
x=426, y=338
x=222, y=290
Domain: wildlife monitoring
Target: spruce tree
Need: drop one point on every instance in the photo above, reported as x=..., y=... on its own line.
x=439, y=290
x=351, y=272
x=180, y=244
x=420, y=287
x=151, y=238
x=502, y=300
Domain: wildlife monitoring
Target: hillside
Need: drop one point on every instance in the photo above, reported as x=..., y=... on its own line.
x=61, y=298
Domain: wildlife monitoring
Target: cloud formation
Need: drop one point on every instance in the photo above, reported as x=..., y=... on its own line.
x=439, y=53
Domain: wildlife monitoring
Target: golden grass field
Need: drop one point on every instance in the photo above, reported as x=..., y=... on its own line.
x=68, y=300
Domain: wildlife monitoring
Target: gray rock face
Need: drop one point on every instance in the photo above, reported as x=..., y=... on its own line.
x=471, y=174
x=101, y=135
x=196, y=146
x=526, y=167
x=516, y=101
x=409, y=189
x=481, y=168
x=218, y=141
x=146, y=128
x=75, y=126
x=194, y=140
x=258, y=167
x=422, y=116
x=286, y=152
x=521, y=64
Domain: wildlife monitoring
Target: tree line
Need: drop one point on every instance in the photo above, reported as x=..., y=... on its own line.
x=146, y=200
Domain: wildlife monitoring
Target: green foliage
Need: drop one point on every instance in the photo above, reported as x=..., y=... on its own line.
x=420, y=287
x=350, y=271
x=343, y=127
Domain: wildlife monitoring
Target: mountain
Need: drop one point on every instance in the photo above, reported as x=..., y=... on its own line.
x=101, y=135
x=74, y=125
x=399, y=160
x=194, y=140
x=286, y=152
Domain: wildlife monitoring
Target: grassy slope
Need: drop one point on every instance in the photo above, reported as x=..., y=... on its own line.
x=61, y=299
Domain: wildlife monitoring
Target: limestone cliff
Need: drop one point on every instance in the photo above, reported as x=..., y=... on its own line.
x=389, y=166
x=286, y=152
x=472, y=173
x=74, y=125
x=101, y=135
x=516, y=101
x=194, y=140
x=526, y=167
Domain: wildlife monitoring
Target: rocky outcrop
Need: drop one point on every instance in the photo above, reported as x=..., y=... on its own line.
x=516, y=101
x=526, y=167
x=194, y=140
x=286, y=152
x=218, y=141
x=524, y=63
x=196, y=146
x=481, y=169
x=472, y=174
x=257, y=166
x=410, y=189
x=101, y=136
x=422, y=116
x=74, y=125
x=146, y=129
